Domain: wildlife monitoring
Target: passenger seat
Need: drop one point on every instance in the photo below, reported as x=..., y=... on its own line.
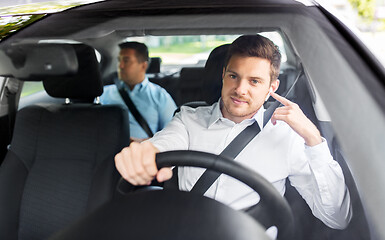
x=60, y=164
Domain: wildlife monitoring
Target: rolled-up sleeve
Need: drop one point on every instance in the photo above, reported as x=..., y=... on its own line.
x=173, y=137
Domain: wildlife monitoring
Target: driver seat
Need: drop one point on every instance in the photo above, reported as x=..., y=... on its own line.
x=60, y=164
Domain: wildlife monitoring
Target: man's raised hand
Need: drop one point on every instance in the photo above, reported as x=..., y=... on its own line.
x=296, y=119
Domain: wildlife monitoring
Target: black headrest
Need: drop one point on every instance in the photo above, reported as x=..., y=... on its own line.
x=86, y=84
x=154, y=66
x=212, y=84
x=191, y=76
x=31, y=61
x=217, y=57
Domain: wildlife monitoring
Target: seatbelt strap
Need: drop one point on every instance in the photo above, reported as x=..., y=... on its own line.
x=232, y=150
x=131, y=106
x=11, y=112
x=11, y=88
x=237, y=145
x=269, y=112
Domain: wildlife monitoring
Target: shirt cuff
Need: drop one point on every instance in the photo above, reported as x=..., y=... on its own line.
x=321, y=162
x=319, y=154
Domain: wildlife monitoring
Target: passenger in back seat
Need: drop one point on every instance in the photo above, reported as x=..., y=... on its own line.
x=152, y=101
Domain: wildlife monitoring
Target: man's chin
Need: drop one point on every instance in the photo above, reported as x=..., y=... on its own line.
x=239, y=113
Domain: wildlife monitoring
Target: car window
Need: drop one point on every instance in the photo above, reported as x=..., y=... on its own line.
x=2, y=81
x=192, y=50
x=3, y=107
x=30, y=88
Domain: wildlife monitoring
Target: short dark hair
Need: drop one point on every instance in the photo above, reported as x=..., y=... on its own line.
x=256, y=46
x=141, y=50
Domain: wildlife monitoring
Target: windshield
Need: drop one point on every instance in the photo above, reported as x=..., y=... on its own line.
x=192, y=50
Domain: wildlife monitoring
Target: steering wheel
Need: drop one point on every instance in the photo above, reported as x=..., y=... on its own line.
x=272, y=208
x=173, y=214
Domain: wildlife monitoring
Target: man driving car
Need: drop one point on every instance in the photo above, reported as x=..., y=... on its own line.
x=289, y=146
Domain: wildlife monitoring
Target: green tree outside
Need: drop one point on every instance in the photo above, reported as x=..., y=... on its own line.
x=365, y=8
x=10, y=24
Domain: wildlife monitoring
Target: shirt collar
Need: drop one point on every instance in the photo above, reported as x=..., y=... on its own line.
x=138, y=87
x=217, y=115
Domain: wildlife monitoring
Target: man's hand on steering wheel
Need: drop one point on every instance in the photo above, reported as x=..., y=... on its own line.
x=136, y=164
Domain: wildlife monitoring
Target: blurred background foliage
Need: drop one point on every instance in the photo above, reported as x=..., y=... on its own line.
x=365, y=8
x=371, y=13
x=9, y=24
x=14, y=17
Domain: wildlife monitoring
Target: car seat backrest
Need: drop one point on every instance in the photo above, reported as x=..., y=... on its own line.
x=60, y=163
x=190, y=84
x=154, y=66
x=212, y=82
x=202, y=86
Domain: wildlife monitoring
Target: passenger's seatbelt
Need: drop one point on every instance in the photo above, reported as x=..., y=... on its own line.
x=237, y=145
x=131, y=106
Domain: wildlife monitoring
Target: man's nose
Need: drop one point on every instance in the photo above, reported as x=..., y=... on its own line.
x=121, y=64
x=242, y=87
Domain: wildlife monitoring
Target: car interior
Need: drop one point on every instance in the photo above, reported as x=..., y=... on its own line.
x=58, y=147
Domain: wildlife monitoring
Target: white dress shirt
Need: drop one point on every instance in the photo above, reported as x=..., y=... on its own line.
x=276, y=153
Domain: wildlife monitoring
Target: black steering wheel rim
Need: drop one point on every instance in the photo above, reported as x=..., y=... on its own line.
x=272, y=208
x=173, y=214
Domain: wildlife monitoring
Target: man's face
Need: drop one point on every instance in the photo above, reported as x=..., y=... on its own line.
x=246, y=84
x=130, y=70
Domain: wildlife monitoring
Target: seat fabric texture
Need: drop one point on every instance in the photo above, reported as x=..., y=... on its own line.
x=190, y=85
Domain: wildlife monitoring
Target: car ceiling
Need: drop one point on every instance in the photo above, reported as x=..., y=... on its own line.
x=176, y=4
x=78, y=19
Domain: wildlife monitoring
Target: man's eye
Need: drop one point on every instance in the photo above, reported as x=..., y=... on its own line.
x=254, y=81
x=124, y=60
x=232, y=76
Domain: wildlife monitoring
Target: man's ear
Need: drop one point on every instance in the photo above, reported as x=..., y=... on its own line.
x=223, y=73
x=274, y=85
x=145, y=65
